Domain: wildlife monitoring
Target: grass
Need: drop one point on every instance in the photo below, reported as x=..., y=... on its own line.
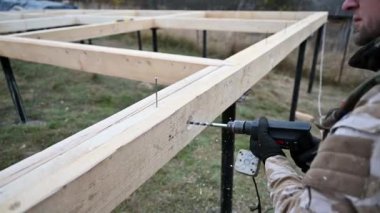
x=62, y=102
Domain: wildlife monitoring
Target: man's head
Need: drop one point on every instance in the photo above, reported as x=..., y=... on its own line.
x=366, y=19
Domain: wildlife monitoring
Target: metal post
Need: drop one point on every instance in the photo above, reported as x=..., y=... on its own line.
x=12, y=86
x=228, y=148
x=154, y=39
x=297, y=80
x=348, y=33
x=90, y=41
x=315, y=59
x=139, y=40
x=204, y=44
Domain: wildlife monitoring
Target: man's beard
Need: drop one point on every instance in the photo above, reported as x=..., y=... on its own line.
x=364, y=36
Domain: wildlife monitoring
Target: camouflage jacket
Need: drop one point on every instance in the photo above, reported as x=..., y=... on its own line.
x=345, y=175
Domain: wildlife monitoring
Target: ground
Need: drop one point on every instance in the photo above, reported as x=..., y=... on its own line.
x=61, y=102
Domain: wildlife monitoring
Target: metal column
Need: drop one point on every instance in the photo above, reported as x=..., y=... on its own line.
x=348, y=33
x=315, y=59
x=12, y=86
x=297, y=80
x=154, y=39
x=139, y=43
x=227, y=173
x=204, y=44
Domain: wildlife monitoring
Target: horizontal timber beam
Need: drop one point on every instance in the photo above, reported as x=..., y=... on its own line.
x=36, y=23
x=129, y=64
x=237, y=25
x=90, y=31
x=17, y=15
x=107, y=162
x=276, y=15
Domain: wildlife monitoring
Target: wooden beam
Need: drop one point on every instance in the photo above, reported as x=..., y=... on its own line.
x=36, y=23
x=111, y=160
x=238, y=25
x=90, y=31
x=95, y=19
x=18, y=15
x=277, y=15
x=130, y=64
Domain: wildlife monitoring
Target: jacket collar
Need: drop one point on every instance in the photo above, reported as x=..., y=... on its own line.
x=367, y=57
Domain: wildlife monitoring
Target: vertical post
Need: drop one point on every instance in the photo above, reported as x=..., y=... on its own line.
x=154, y=39
x=139, y=43
x=90, y=41
x=297, y=80
x=204, y=44
x=228, y=148
x=348, y=33
x=315, y=59
x=12, y=86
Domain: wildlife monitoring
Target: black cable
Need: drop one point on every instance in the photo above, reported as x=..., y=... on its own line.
x=258, y=207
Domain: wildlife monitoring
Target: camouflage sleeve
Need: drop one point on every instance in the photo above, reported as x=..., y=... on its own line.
x=289, y=194
x=285, y=185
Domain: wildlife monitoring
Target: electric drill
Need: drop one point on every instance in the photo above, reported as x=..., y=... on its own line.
x=285, y=133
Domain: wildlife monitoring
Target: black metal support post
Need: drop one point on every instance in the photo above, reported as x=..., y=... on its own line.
x=154, y=39
x=12, y=86
x=139, y=42
x=204, y=44
x=347, y=39
x=297, y=80
x=317, y=47
x=227, y=174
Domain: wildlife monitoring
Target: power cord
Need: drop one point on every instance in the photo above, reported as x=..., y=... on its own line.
x=258, y=207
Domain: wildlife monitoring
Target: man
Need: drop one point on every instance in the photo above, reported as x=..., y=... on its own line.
x=345, y=174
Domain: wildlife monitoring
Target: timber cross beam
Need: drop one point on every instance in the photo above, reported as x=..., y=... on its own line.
x=100, y=166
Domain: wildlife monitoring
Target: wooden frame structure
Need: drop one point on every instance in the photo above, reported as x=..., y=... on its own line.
x=100, y=166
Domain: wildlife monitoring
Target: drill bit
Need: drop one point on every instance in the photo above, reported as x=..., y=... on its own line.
x=207, y=124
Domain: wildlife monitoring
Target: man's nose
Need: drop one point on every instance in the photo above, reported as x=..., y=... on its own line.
x=350, y=5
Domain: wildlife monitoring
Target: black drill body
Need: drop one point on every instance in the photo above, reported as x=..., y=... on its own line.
x=285, y=133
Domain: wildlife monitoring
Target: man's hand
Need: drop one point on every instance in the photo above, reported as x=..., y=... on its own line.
x=265, y=146
x=304, y=152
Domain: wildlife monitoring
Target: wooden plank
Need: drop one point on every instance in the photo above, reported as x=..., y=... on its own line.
x=237, y=25
x=129, y=24
x=36, y=23
x=130, y=64
x=91, y=31
x=100, y=172
x=277, y=15
x=17, y=15
x=95, y=19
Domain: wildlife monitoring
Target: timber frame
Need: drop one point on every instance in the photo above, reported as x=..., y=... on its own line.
x=100, y=166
